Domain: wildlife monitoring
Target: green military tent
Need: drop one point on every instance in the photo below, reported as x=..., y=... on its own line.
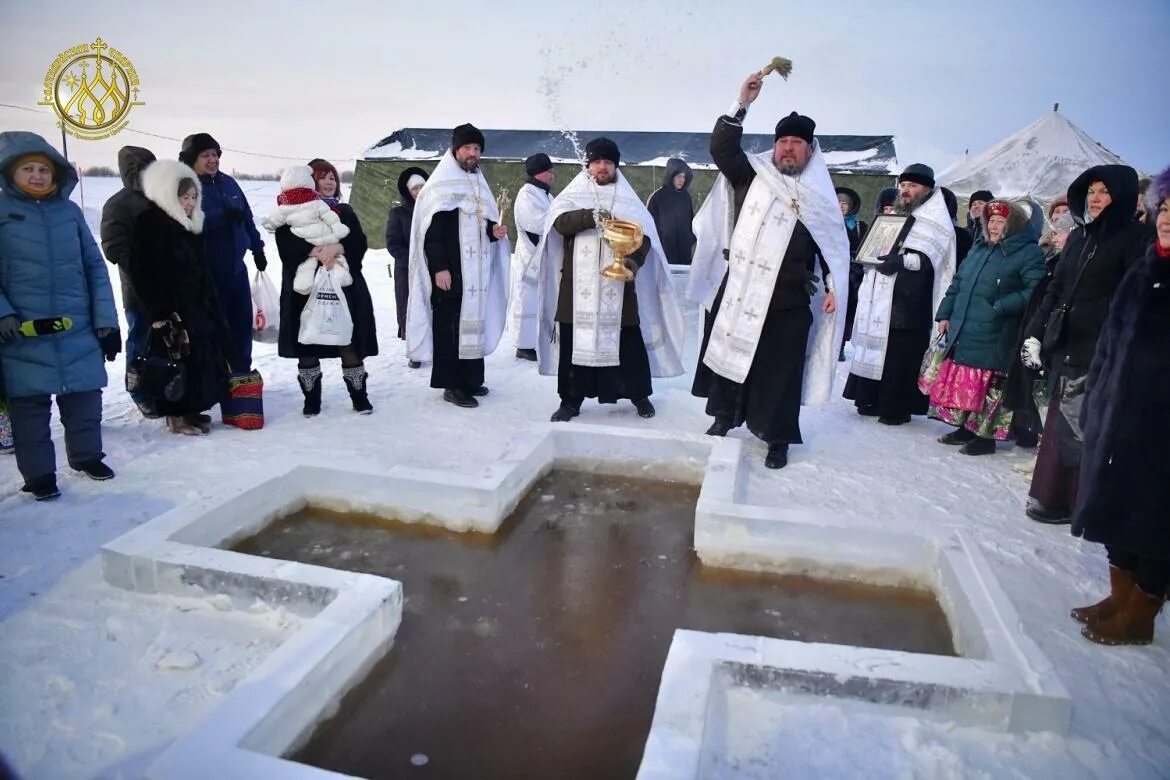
x=865, y=163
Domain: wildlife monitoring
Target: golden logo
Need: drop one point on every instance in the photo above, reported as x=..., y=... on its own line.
x=91, y=89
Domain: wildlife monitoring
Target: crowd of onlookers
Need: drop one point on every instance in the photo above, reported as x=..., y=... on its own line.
x=1063, y=315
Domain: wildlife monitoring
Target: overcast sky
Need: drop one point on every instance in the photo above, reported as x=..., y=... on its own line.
x=302, y=79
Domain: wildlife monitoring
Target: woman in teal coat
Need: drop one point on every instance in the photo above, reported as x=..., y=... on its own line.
x=51, y=270
x=980, y=316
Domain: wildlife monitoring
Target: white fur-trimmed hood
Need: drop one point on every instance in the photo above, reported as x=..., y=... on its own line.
x=160, y=185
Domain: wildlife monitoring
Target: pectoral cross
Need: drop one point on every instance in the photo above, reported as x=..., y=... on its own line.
x=796, y=207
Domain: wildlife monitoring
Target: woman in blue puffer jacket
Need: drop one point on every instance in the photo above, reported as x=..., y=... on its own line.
x=51, y=269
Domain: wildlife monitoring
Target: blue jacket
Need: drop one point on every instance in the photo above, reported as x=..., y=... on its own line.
x=228, y=229
x=50, y=266
x=988, y=294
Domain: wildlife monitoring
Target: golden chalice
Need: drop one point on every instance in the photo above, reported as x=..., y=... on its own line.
x=624, y=238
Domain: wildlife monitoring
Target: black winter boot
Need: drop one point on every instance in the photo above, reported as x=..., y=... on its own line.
x=43, y=488
x=310, y=379
x=355, y=382
x=777, y=457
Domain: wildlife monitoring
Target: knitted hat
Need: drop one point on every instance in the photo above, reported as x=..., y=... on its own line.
x=37, y=157
x=886, y=197
x=796, y=125
x=602, y=149
x=196, y=144
x=466, y=134
x=918, y=174
x=1060, y=200
x=1159, y=190
x=537, y=163
x=983, y=195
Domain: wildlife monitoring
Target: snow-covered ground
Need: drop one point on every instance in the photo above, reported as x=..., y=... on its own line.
x=96, y=681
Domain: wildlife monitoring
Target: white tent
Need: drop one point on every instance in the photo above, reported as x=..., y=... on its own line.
x=1041, y=160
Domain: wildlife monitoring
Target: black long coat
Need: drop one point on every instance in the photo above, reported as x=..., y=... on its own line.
x=168, y=274
x=673, y=212
x=1124, y=493
x=1105, y=249
x=293, y=251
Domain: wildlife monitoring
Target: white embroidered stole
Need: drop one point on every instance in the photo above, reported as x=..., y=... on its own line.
x=597, y=303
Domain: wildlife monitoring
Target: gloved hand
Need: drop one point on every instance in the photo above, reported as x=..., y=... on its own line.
x=110, y=340
x=1030, y=354
x=890, y=264
x=9, y=328
x=259, y=259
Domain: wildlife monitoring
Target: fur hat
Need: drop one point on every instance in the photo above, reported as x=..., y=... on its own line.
x=886, y=197
x=160, y=184
x=602, y=149
x=537, y=163
x=796, y=125
x=1159, y=191
x=195, y=144
x=320, y=168
x=466, y=134
x=983, y=195
x=918, y=174
x=997, y=208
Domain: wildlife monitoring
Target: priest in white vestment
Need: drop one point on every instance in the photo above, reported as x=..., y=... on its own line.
x=771, y=250
x=532, y=204
x=604, y=338
x=896, y=303
x=458, y=272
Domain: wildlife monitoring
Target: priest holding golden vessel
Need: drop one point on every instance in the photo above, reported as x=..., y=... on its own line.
x=608, y=319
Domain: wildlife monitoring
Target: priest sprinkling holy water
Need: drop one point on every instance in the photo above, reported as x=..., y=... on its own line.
x=608, y=316
x=459, y=256
x=771, y=249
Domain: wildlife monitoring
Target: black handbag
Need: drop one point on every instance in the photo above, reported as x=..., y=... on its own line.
x=159, y=374
x=1056, y=329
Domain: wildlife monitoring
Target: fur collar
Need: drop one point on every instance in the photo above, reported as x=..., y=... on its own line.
x=160, y=184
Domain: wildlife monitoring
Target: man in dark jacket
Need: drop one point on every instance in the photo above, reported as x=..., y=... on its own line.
x=673, y=211
x=410, y=182
x=228, y=232
x=117, y=231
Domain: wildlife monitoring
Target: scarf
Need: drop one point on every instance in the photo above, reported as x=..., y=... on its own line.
x=296, y=196
x=851, y=222
x=333, y=202
x=1163, y=251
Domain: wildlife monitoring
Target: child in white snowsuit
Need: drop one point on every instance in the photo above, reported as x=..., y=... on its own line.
x=301, y=208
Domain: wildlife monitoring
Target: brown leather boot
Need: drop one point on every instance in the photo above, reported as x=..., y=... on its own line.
x=1121, y=583
x=1133, y=624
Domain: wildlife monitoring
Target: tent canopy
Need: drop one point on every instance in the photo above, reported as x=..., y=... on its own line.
x=1041, y=161
x=844, y=153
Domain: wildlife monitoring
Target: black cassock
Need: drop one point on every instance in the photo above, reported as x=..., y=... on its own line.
x=768, y=401
x=896, y=394
x=448, y=371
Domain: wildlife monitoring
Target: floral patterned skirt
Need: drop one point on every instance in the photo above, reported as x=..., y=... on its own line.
x=971, y=398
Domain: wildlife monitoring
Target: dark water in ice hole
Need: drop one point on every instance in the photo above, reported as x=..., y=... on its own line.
x=536, y=652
